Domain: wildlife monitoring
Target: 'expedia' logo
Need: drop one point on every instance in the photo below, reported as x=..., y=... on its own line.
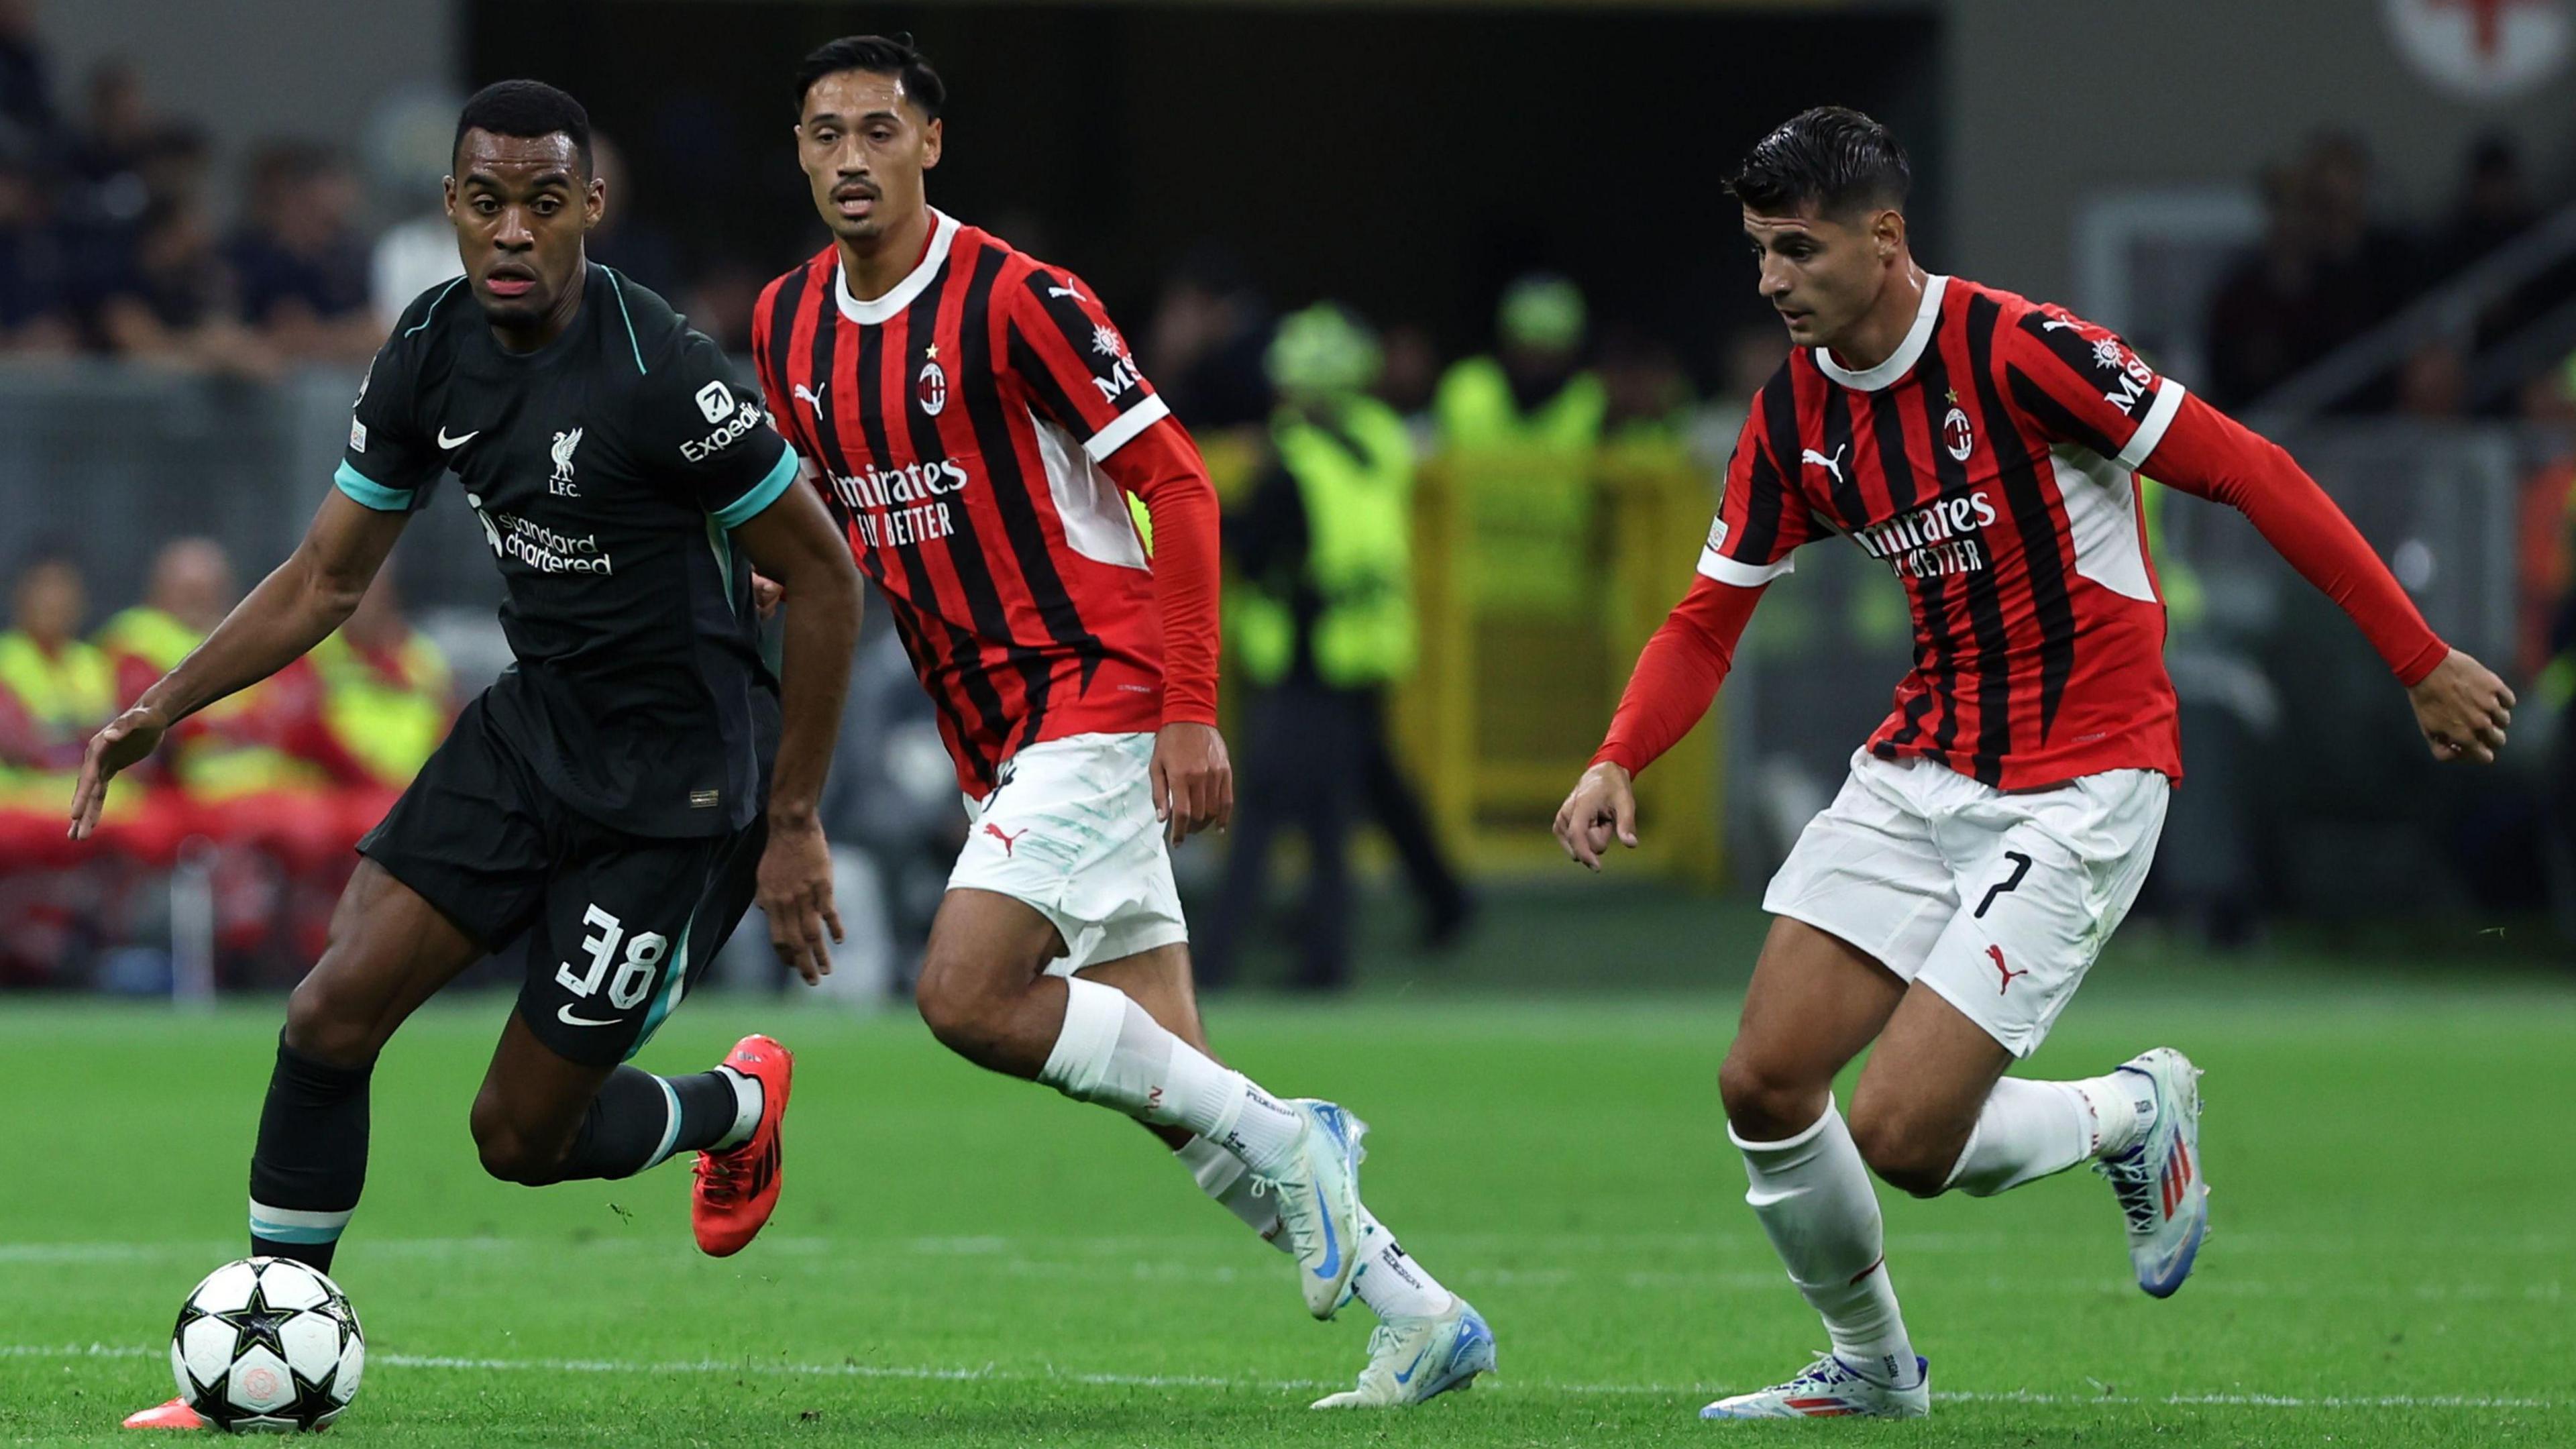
x=727, y=433
x=1934, y=540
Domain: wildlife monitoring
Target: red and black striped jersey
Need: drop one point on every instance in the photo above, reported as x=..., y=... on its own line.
x=957, y=426
x=1990, y=462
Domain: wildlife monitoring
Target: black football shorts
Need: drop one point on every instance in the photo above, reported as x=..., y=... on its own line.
x=619, y=927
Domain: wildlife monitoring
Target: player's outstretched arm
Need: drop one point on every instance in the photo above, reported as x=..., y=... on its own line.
x=1676, y=680
x=296, y=607
x=2460, y=705
x=792, y=541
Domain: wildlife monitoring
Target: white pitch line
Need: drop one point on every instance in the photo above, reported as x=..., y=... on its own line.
x=1048, y=1374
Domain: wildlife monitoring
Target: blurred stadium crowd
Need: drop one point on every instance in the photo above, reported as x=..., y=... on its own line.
x=118, y=239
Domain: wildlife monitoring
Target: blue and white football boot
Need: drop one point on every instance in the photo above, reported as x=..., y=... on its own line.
x=2158, y=1182
x=1318, y=1193
x=1830, y=1389
x=1413, y=1359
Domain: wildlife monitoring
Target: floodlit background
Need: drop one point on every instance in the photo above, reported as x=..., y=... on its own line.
x=2353, y=222
x=2349, y=222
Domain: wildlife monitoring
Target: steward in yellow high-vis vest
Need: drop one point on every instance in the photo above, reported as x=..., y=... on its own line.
x=1321, y=621
x=55, y=691
x=1346, y=606
x=1518, y=430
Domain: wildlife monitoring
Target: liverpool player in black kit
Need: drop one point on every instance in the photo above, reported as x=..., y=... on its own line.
x=613, y=798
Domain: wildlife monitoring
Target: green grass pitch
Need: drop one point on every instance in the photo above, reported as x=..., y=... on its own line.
x=961, y=1259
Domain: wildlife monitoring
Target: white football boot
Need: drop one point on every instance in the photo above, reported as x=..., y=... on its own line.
x=1413, y=1359
x=1830, y=1389
x=2158, y=1182
x=1318, y=1193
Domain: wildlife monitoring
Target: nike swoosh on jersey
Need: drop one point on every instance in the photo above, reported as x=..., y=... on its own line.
x=564, y=1015
x=446, y=442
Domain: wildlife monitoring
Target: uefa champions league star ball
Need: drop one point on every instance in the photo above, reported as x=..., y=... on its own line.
x=267, y=1345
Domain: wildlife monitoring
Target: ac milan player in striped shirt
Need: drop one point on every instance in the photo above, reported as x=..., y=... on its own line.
x=1999, y=823
x=978, y=425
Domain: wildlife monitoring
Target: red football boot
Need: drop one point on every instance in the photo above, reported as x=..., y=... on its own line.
x=173, y=1415
x=737, y=1188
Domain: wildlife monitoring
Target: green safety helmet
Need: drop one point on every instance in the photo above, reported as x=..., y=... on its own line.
x=1323, y=349
x=1542, y=310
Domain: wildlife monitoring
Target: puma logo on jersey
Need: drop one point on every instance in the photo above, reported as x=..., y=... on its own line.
x=1997, y=953
x=1833, y=465
x=1010, y=839
x=811, y=397
x=1067, y=292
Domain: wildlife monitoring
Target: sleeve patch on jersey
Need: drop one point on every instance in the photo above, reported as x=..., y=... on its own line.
x=369, y=493
x=1126, y=426
x=1742, y=575
x=2151, y=430
x=764, y=493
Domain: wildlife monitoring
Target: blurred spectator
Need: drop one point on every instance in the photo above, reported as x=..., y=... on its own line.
x=244, y=765
x=2495, y=202
x=1646, y=396
x=2258, y=325
x=2327, y=271
x=298, y=259
x=55, y=691
x=1323, y=625
x=1519, y=427
x=1410, y=378
x=28, y=124
x=409, y=258
x=626, y=237
x=1532, y=388
x=35, y=301
x=1205, y=342
x=116, y=130
x=173, y=304
x=2366, y=268
x=388, y=697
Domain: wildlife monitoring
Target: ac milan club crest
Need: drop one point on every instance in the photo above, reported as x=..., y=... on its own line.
x=931, y=387
x=1956, y=435
x=2483, y=50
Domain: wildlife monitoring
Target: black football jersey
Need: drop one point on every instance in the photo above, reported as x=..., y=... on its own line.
x=608, y=468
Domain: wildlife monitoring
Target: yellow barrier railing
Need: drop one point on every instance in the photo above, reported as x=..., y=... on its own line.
x=1538, y=578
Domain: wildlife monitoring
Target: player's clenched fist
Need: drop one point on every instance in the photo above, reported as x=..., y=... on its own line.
x=1602, y=806
x=2463, y=710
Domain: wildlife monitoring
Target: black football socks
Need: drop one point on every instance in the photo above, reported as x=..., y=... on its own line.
x=311, y=1161
x=639, y=1119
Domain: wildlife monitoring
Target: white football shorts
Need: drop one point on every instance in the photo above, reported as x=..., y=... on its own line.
x=1999, y=900
x=1071, y=832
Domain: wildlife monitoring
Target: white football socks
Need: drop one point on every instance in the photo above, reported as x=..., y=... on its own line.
x=2030, y=1130
x=1813, y=1196
x=1388, y=1280
x=748, y=1099
x=1111, y=1051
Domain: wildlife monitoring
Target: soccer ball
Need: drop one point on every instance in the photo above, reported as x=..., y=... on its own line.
x=267, y=1345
